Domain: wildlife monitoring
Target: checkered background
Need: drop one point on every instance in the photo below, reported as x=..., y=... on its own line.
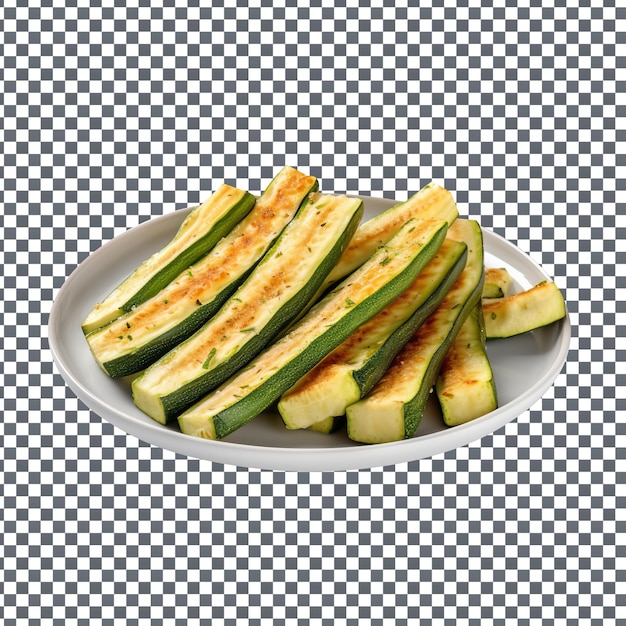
x=111, y=115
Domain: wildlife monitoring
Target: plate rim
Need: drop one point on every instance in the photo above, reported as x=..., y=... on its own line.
x=340, y=458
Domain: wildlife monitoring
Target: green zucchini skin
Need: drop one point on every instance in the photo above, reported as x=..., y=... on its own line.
x=361, y=296
x=350, y=371
x=150, y=280
x=213, y=279
x=394, y=408
x=465, y=385
x=277, y=263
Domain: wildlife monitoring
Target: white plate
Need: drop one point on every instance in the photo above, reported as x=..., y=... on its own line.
x=524, y=368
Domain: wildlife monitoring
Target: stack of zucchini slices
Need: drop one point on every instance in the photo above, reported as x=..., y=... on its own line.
x=289, y=301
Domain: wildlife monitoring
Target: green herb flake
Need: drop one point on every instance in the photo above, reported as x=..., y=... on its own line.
x=130, y=337
x=237, y=299
x=189, y=273
x=493, y=316
x=205, y=365
x=165, y=301
x=349, y=303
x=385, y=260
x=127, y=325
x=247, y=330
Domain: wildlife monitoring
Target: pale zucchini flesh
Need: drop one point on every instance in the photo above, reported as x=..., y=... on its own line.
x=522, y=312
x=393, y=409
x=201, y=230
x=352, y=369
x=139, y=337
x=465, y=385
x=361, y=296
x=280, y=285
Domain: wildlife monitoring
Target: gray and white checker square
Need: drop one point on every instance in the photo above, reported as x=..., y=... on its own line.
x=111, y=115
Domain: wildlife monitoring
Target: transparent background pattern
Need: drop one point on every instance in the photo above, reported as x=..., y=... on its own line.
x=110, y=115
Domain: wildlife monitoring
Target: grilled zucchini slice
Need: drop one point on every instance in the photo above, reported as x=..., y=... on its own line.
x=352, y=369
x=361, y=296
x=465, y=386
x=136, y=339
x=201, y=230
x=274, y=293
x=498, y=282
x=393, y=409
x=522, y=312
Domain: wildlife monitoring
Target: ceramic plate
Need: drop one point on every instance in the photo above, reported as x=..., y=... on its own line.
x=524, y=367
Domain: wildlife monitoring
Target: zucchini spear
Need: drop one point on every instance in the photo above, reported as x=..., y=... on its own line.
x=524, y=311
x=498, y=282
x=201, y=230
x=465, y=387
